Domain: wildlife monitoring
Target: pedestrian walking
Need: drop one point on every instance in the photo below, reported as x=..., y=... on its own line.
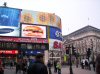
x=93, y=63
x=55, y=66
x=38, y=67
x=11, y=65
x=59, y=67
x=18, y=68
x=49, y=66
x=24, y=66
x=82, y=64
x=98, y=64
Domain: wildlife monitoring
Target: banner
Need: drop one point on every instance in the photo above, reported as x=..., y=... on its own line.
x=9, y=21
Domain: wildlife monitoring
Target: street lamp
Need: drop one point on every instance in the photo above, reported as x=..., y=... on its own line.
x=70, y=55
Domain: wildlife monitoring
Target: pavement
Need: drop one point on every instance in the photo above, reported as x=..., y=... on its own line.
x=64, y=70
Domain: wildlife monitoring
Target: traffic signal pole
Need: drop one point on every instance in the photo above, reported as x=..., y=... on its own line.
x=70, y=55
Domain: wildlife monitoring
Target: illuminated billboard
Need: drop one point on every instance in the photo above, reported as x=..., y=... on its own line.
x=35, y=31
x=55, y=33
x=9, y=21
x=42, y=18
x=9, y=51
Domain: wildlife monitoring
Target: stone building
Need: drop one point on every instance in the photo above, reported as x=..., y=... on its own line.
x=83, y=39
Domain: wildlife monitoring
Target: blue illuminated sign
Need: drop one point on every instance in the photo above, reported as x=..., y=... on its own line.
x=55, y=33
x=33, y=52
x=9, y=17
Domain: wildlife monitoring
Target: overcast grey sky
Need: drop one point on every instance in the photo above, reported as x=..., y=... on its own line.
x=73, y=13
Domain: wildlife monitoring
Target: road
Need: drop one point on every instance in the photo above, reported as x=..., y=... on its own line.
x=65, y=70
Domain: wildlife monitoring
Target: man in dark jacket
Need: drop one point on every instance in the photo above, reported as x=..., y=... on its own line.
x=98, y=64
x=38, y=67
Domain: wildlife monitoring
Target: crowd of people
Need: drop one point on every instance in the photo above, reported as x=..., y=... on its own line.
x=86, y=64
x=39, y=67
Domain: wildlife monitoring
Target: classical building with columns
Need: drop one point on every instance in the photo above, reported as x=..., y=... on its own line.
x=83, y=39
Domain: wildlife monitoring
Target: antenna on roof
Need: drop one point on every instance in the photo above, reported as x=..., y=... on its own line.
x=5, y=4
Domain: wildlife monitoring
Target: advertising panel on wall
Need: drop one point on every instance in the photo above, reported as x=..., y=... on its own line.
x=9, y=51
x=9, y=21
x=55, y=47
x=44, y=18
x=55, y=33
x=55, y=44
x=34, y=31
x=25, y=40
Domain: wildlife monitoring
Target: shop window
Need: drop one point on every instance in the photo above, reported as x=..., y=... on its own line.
x=33, y=46
x=29, y=46
x=37, y=46
x=23, y=46
x=43, y=47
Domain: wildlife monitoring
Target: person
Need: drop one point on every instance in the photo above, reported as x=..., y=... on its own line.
x=24, y=66
x=38, y=67
x=93, y=65
x=98, y=64
x=82, y=64
x=59, y=67
x=11, y=65
x=55, y=66
x=49, y=66
x=18, y=67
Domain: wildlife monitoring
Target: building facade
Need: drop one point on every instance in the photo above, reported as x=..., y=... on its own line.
x=83, y=39
x=25, y=33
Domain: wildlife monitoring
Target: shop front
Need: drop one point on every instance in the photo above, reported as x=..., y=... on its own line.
x=8, y=55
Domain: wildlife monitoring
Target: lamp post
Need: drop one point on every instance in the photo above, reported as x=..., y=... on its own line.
x=70, y=55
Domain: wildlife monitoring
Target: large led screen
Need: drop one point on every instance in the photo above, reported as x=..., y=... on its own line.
x=55, y=33
x=33, y=31
x=9, y=21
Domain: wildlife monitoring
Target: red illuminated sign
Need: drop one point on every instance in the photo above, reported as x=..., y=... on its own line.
x=9, y=51
x=57, y=45
x=28, y=40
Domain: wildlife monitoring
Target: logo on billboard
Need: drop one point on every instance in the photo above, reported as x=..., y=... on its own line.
x=58, y=34
x=57, y=45
x=6, y=30
x=4, y=16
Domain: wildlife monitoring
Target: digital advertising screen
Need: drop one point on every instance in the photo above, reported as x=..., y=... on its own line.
x=55, y=33
x=55, y=44
x=35, y=31
x=9, y=21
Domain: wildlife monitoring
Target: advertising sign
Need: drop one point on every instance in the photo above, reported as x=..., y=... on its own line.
x=9, y=51
x=42, y=18
x=55, y=33
x=9, y=21
x=33, y=31
x=35, y=52
x=25, y=40
x=55, y=44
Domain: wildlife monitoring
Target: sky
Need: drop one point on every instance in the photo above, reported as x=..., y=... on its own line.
x=74, y=14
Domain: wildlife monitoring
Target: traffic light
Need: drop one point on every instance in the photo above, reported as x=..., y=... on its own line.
x=74, y=50
x=67, y=51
